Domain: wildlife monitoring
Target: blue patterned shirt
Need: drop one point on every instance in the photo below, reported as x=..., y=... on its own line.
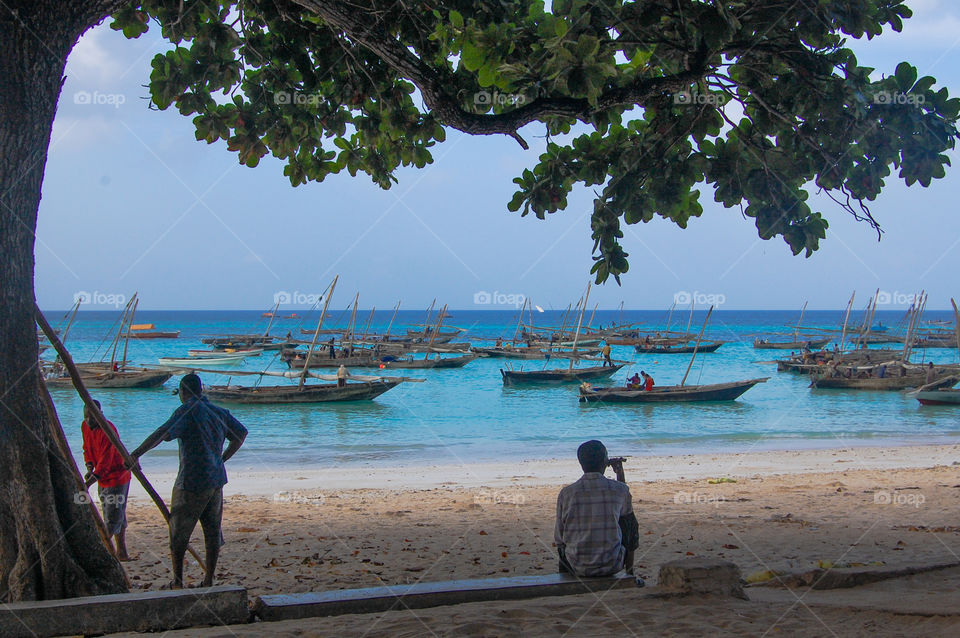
x=588, y=524
x=201, y=429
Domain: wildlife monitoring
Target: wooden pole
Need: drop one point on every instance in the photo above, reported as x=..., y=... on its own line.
x=697, y=345
x=576, y=335
x=64, y=448
x=426, y=322
x=73, y=315
x=273, y=315
x=123, y=321
x=693, y=302
x=796, y=331
x=126, y=340
x=390, y=325
x=956, y=325
x=914, y=320
x=670, y=315
x=316, y=334
x=101, y=421
x=366, y=328
x=516, y=330
x=843, y=333
x=590, y=321
x=436, y=331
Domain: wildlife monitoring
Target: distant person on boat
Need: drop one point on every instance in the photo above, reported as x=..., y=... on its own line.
x=596, y=530
x=342, y=374
x=201, y=429
x=634, y=382
x=606, y=355
x=647, y=381
x=931, y=373
x=333, y=348
x=105, y=464
x=499, y=343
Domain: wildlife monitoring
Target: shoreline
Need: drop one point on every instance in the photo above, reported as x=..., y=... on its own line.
x=554, y=472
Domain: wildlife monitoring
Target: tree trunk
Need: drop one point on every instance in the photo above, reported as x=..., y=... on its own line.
x=49, y=545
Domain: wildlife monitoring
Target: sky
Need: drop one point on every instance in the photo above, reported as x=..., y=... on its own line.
x=132, y=202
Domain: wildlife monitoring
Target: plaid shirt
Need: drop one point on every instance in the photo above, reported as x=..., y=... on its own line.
x=588, y=530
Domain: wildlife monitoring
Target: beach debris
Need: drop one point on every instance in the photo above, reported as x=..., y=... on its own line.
x=761, y=576
x=722, y=479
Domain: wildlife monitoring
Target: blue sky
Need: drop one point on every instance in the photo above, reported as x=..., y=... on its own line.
x=132, y=202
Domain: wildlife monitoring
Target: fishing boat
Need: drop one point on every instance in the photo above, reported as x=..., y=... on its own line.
x=533, y=353
x=200, y=354
x=766, y=344
x=149, y=331
x=943, y=396
x=189, y=362
x=307, y=393
x=669, y=394
x=427, y=364
x=242, y=342
x=682, y=349
x=515, y=377
x=916, y=376
x=125, y=378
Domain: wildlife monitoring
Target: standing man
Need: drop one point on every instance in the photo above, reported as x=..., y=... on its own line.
x=596, y=530
x=647, y=381
x=105, y=464
x=201, y=429
x=606, y=355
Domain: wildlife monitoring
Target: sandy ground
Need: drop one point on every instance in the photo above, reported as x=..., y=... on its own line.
x=307, y=539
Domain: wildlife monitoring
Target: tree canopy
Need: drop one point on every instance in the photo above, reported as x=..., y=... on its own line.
x=647, y=103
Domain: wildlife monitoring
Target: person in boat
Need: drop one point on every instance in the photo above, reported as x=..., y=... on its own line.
x=634, y=382
x=606, y=355
x=201, y=429
x=104, y=463
x=931, y=373
x=342, y=374
x=647, y=381
x=333, y=348
x=848, y=372
x=499, y=343
x=596, y=530
x=881, y=370
x=646, y=340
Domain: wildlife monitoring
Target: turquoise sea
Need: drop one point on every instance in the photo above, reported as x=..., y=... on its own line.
x=466, y=415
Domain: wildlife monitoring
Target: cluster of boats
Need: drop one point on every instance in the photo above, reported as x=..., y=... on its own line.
x=572, y=353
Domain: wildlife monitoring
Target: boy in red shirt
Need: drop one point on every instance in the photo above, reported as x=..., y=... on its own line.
x=105, y=464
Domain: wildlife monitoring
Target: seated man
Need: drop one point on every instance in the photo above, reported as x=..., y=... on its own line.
x=596, y=530
x=647, y=381
x=634, y=382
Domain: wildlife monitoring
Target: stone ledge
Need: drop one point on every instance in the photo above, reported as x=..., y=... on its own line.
x=431, y=594
x=702, y=576
x=142, y=611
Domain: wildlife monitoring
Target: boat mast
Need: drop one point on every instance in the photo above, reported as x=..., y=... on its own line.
x=353, y=319
x=116, y=339
x=443, y=315
x=363, y=339
x=316, y=334
x=576, y=335
x=871, y=310
x=796, y=331
x=426, y=322
x=276, y=308
x=670, y=315
x=843, y=333
x=956, y=325
x=563, y=326
x=126, y=340
x=516, y=330
x=693, y=302
x=390, y=325
x=73, y=315
x=590, y=322
x=911, y=329
x=696, y=345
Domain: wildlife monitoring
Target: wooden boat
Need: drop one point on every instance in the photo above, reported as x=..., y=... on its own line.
x=189, y=362
x=296, y=359
x=684, y=349
x=515, y=377
x=534, y=353
x=126, y=378
x=670, y=393
x=764, y=344
x=201, y=354
x=148, y=331
x=427, y=364
x=885, y=383
x=245, y=342
x=309, y=393
x=943, y=396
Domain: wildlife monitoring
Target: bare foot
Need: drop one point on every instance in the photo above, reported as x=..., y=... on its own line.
x=123, y=558
x=172, y=585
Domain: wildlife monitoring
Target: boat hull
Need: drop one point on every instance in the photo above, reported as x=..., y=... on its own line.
x=939, y=397
x=429, y=364
x=670, y=394
x=790, y=345
x=520, y=377
x=311, y=393
x=704, y=347
x=127, y=379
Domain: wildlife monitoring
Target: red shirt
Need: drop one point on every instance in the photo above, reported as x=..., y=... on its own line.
x=648, y=384
x=107, y=462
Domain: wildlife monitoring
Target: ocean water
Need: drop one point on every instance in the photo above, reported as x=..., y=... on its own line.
x=466, y=415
